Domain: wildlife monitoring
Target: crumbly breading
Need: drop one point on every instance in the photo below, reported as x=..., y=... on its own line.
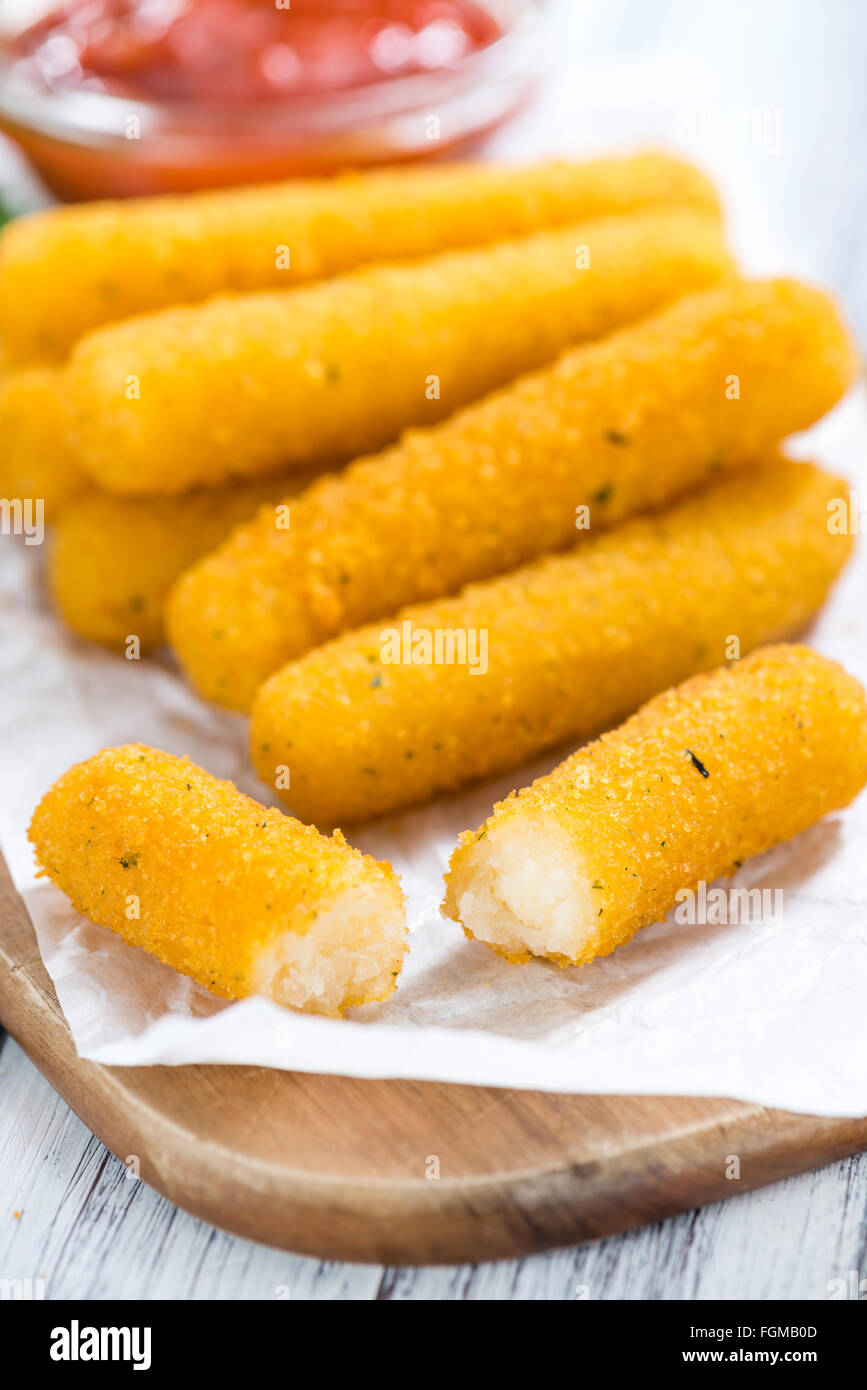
x=64, y=271
x=217, y=886
x=555, y=650
x=710, y=384
x=113, y=560
x=703, y=777
x=246, y=385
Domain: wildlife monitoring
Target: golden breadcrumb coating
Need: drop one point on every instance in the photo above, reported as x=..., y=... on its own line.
x=281, y=379
x=220, y=888
x=704, y=776
x=66, y=270
x=710, y=384
x=560, y=648
x=36, y=457
x=113, y=560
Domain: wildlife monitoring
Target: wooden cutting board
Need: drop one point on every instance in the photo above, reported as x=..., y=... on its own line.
x=338, y=1168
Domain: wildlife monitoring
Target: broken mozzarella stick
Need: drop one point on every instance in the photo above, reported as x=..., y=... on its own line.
x=373, y=721
x=285, y=379
x=238, y=896
x=711, y=384
x=64, y=271
x=113, y=560
x=703, y=777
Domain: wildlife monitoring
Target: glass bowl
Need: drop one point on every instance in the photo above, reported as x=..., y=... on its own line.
x=87, y=144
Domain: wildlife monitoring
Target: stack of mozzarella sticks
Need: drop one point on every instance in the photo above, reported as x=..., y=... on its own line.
x=430, y=471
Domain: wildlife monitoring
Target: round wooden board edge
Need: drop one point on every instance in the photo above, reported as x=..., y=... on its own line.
x=410, y=1221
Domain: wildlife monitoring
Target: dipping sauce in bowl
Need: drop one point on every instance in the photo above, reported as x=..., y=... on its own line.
x=113, y=97
x=246, y=50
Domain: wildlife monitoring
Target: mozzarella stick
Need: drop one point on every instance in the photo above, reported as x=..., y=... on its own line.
x=64, y=271
x=704, y=776
x=36, y=457
x=377, y=720
x=280, y=379
x=710, y=384
x=113, y=560
x=239, y=897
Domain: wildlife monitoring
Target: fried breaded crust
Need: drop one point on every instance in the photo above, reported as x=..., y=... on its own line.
x=113, y=560
x=252, y=384
x=66, y=270
x=708, y=385
x=556, y=650
x=704, y=776
x=237, y=896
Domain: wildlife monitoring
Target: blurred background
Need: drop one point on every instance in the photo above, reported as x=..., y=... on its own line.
x=126, y=96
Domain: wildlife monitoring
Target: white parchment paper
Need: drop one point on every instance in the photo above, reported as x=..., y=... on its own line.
x=771, y=1011
x=774, y=1012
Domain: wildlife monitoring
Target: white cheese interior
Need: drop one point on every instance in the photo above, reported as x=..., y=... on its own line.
x=351, y=952
x=521, y=888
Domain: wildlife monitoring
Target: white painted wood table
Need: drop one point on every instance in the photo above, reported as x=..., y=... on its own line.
x=775, y=93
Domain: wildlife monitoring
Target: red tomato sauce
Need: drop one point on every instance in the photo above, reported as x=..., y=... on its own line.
x=246, y=51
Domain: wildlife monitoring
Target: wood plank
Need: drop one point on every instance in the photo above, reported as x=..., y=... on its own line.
x=337, y=1167
x=90, y=1233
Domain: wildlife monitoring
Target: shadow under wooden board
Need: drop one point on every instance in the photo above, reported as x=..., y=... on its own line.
x=337, y=1168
